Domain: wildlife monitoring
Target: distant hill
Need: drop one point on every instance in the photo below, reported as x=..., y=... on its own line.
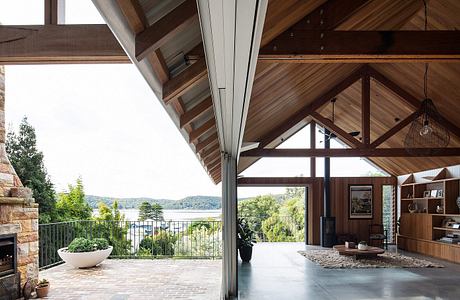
x=191, y=202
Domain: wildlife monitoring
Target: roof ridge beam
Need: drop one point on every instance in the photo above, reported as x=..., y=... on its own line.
x=156, y=35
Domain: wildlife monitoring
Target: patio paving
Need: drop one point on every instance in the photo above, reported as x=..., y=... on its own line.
x=119, y=279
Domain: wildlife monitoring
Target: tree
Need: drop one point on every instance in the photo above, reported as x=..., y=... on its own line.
x=72, y=205
x=157, y=212
x=145, y=211
x=256, y=210
x=27, y=160
x=111, y=225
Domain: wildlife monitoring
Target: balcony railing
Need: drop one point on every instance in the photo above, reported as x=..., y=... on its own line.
x=135, y=239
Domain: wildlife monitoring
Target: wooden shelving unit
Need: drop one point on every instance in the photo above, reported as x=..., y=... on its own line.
x=421, y=231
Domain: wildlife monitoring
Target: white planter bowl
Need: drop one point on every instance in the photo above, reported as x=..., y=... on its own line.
x=362, y=247
x=84, y=259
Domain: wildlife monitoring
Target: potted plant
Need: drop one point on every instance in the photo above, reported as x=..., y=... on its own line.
x=42, y=288
x=245, y=240
x=362, y=245
x=85, y=253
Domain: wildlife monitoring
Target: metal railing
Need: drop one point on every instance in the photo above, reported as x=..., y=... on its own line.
x=135, y=239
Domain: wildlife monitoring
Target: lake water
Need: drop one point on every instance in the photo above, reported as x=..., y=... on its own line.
x=173, y=214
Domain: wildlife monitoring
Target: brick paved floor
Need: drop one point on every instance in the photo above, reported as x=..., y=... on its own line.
x=120, y=279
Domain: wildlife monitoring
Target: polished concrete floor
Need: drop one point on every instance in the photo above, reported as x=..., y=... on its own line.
x=277, y=271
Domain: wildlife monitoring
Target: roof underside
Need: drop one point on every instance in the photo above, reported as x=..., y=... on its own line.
x=280, y=89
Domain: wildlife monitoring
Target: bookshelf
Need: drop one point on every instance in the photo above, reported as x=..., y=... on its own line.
x=421, y=231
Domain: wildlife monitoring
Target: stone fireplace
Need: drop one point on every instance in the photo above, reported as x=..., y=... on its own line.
x=18, y=221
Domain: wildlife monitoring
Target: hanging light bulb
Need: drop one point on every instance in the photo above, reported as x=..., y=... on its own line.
x=426, y=129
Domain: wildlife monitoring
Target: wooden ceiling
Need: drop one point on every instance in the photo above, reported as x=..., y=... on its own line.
x=167, y=34
x=282, y=89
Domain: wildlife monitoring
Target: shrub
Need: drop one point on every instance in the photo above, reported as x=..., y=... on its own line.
x=160, y=244
x=100, y=243
x=85, y=245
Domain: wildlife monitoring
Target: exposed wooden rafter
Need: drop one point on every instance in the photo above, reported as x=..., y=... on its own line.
x=357, y=152
x=395, y=129
x=319, y=46
x=138, y=22
x=179, y=85
x=195, y=112
x=196, y=133
x=336, y=129
x=156, y=35
x=207, y=142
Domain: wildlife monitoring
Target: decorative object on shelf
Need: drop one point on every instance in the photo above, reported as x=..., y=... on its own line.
x=412, y=207
x=458, y=202
x=439, y=209
x=424, y=210
x=440, y=194
x=456, y=226
x=363, y=245
x=409, y=196
x=446, y=221
x=426, y=194
x=427, y=132
x=350, y=245
x=360, y=202
x=434, y=193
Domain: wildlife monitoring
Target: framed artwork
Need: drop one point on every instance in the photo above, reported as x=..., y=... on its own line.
x=360, y=202
x=426, y=194
x=434, y=193
x=440, y=193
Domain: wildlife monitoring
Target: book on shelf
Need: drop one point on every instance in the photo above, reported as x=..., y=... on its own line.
x=449, y=240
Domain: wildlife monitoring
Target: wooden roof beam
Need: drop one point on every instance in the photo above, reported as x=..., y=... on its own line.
x=59, y=44
x=195, y=112
x=156, y=35
x=212, y=158
x=209, y=141
x=342, y=134
x=358, y=152
x=319, y=46
x=313, y=106
x=138, y=22
x=179, y=85
x=395, y=129
x=409, y=98
x=195, y=134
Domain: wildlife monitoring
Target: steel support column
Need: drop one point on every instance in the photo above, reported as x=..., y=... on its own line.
x=229, y=219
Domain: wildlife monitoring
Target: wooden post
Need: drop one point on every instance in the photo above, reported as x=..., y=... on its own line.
x=54, y=12
x=312, y=146
x=366, y=109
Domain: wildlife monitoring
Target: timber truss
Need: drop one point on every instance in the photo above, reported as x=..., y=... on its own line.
x=357, y=148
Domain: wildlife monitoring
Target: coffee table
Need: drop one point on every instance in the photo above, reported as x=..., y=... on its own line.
x=371, y=252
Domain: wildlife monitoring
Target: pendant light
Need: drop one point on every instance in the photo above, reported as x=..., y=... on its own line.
x=426, y=132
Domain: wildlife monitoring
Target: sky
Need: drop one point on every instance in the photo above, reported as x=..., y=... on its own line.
x=103, y=123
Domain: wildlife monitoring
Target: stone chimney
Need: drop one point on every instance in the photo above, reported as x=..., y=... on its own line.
x=8, y=177
x=18, y=217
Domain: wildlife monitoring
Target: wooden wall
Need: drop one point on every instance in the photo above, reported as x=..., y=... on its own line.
x=339, y=206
